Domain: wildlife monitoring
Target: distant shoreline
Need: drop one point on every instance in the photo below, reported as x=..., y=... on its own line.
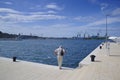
x=43, y=38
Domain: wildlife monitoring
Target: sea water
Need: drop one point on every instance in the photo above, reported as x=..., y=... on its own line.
x=42, y=51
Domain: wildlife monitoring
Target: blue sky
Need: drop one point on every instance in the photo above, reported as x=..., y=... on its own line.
x=60, y=18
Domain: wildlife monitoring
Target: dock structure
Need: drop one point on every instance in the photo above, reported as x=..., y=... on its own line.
x=105, y=67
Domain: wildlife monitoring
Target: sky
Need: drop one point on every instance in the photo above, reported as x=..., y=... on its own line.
x=60, y=18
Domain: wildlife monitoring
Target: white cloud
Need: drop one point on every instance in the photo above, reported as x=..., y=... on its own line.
x=110, y=20
x=38, y=7
x=96, y=23
x=37, y=13
x=85, y=18
x=8, y=3
x=52, y=12
x=116, y=12
x=8, y=10
x=103, y=6
x=29, y=18
x=109, y=9
x=11, y=15
x=53, y=6
x=40, y=13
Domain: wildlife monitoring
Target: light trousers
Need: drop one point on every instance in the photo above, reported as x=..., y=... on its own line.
x=60, y=59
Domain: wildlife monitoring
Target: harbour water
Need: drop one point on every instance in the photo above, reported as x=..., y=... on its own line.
x=42, y=51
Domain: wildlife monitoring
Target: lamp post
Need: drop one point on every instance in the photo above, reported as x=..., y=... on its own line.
x=106, y=32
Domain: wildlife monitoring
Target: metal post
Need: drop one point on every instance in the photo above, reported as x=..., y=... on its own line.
x=106, y=32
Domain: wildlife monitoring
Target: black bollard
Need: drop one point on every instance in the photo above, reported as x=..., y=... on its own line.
x=92, y=58
x=100, y=47
x=14, y=59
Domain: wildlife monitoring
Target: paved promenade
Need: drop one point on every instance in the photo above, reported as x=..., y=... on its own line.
x=105, y=67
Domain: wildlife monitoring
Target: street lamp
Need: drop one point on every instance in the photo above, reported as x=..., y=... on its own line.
x=106, y=32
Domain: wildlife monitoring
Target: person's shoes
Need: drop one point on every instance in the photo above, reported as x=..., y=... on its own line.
x=60, y=68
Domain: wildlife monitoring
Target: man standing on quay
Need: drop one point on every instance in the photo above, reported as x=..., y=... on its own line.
x=59, y=52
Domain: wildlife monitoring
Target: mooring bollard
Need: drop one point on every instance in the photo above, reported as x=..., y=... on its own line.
x=14, y=59
x=92, y=58
x=100, y=47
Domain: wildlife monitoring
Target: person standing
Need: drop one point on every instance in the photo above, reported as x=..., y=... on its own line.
x=60, y=53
